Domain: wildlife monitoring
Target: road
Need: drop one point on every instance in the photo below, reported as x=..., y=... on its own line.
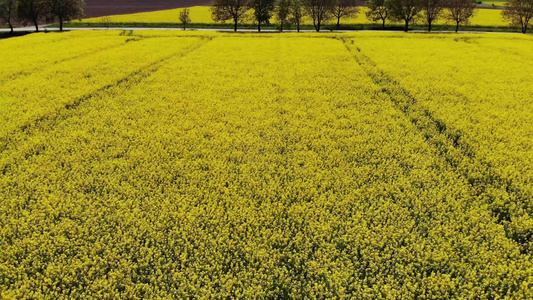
x=44, y=29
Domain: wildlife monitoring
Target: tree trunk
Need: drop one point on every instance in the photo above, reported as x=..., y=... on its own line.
x=235, y=22
x=383, y=25
x=60, y=24
x=11, y=26
x=406, y=26
x=524, y=28
x=298, y=26
x=317, y=26
x=281, y=27
x=338, y=23
x=429, y=26
x=36, y=24
x=259, y=26
x=457, y=27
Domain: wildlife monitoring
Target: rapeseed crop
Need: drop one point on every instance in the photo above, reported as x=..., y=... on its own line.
x=199, y=165
x=483, y=102
x=58, y=84
x=28, y=54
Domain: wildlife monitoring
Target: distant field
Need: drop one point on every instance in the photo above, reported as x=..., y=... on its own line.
x=172, y=165
x=97, y=8
x=199, y=14
x=202, y=15
x=496, y=2
x=499, y=4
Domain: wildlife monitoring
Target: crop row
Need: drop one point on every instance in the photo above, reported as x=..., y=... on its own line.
x=30, y=54
x=60, y=85
x=479, y=89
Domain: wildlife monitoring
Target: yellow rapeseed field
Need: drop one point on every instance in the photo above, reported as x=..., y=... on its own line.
x=202, y=15
x=161, y=164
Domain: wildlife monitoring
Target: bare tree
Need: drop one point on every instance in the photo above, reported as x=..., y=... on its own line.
x=66, y=10
x=8, y=11
x=518, y=13
x=344, y=8
x=297, y=13
x=460, y=12
x=318, y=11
x=185, y=17
x=224, y=10
x=32, y=11
x=283, y=11
x=263, y=10
x=405, y=10
x=377, y=10
x=432, y=10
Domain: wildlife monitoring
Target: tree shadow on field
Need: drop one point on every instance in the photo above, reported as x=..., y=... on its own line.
x=6, y=35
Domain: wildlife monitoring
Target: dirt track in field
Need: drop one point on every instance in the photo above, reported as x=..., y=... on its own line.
x=97, y=8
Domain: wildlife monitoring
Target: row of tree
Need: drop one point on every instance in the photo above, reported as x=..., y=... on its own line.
x=285, y=11
x=36, y=11
x=410, y=11
x=458, y=12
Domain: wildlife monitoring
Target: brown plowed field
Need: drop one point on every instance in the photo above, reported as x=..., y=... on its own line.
x=97, y=8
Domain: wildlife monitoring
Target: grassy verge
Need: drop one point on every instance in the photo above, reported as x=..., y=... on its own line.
x=160, y=25
x=303, y=27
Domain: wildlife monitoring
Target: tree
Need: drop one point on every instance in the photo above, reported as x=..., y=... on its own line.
x=405, y=10
x=297, y=13
x=318, y=11
x=32, y=11
x=184, y=17
x=8, y=11
x=224, y=10
x=262, y=11
x=377, y=10
x=66, y=10
x=460, y=11
x=432, y=10
x=518, y=13
x=344, y=8
x=282, y=11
